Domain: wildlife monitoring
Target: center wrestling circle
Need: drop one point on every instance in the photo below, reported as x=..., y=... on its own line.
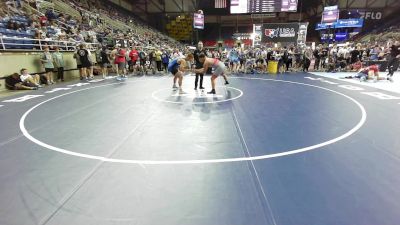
x=224, y=94
x=163, y=162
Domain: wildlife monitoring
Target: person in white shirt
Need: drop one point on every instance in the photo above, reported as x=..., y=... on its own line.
x=342, y=51
x=176, y=54
x=29, y=80
x=90, y=69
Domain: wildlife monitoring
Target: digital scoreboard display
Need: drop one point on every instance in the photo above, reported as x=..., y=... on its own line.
x=330, y=15
x=263, y=6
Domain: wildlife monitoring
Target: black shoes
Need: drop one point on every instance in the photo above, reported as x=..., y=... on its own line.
x=211, y=92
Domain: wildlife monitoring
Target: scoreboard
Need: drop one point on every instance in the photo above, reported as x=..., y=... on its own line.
x=262, y=6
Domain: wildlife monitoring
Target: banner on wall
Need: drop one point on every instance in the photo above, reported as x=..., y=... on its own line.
x=198, y=21
x=369, y=14
x=257, y=34
x=357, y=23
x=344, y=23
x=302, y=34
x=280, y=32
x=322, y=26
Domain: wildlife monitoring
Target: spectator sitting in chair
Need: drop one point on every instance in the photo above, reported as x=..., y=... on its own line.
x=13, y=82
x=331, y=64
x=341, y=63
x=29, y=80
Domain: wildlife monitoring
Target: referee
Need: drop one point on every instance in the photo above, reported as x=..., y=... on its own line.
x=200, y=50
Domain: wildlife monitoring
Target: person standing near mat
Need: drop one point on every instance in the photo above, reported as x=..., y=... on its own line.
x=177, y=67
x=165, y=60
x=47, y=62
x=59, y=63
x=219, y=69
x=120, y=61
x=85, y=60
x=199, y=65
x=394, y=58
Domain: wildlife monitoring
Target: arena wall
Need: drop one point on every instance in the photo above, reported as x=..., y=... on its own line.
x=12, y=62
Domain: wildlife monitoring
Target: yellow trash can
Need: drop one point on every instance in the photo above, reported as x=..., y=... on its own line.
x=272, y=66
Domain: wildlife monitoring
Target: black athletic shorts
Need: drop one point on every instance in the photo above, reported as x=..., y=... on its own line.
x=49, y=69
x=174, y=70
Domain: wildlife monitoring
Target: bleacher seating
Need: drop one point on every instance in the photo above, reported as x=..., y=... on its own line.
x=181, y=27
x=105, y=22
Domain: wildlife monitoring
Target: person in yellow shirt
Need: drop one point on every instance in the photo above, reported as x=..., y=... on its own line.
x=158, y=54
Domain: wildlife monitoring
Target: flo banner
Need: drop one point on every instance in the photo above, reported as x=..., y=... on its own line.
x=280, y=32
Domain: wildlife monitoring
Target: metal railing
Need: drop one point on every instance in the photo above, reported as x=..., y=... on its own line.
x=27, y=44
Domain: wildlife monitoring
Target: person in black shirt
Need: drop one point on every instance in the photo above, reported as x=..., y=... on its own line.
x=307, y=55
x=317, y=58
x=269, y=55
x=165, y=60
x=324, y=56
x=341, y=62
x=85, y=60
x=393, y=60
x=285, y=58
x=13, y=82
x=142, y=58
x=199, y=65
x=355, y=55
x=105, y=61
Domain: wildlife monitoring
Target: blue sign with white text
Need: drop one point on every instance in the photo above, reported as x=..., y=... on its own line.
x=349, y=23
x=321, y=26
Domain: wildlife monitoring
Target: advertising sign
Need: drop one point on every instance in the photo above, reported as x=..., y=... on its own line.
x=257, y=34
x=322, y=26
x=280, y=32
x=302, y=34
x=198, y=21
x=344, y=23
x=349, y=23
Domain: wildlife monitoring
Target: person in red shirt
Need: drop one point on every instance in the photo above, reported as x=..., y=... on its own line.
x=43, y=21
x=134, y=56
x=120, y=60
